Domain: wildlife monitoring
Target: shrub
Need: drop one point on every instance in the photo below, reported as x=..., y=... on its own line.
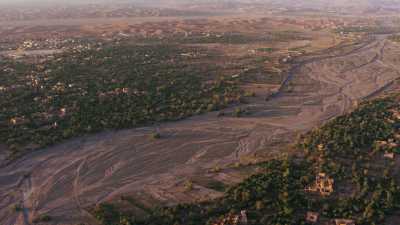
x=42, y=218
x=249, y=94
x=238, y=112
x=17, y=208
x=188, y=185
x=155, y=135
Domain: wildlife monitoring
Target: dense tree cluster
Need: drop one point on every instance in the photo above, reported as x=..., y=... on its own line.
x=120, y=86
x=366, y=187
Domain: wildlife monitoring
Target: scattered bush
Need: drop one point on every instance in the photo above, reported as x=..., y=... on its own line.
x=249, y=94
x=188, y=185
x=238, y=112
x=155, y=135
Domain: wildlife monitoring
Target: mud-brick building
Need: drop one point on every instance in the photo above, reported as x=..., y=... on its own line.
x=323, y=184
x=312, y=217
x=344, y=222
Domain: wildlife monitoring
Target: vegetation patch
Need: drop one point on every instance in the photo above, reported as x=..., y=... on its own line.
x=42, y=219
x=269, y=50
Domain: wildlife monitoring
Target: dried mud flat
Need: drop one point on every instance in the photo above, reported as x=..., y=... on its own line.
x=64, y=180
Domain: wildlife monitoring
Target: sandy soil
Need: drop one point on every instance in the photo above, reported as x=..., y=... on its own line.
x=62, y=181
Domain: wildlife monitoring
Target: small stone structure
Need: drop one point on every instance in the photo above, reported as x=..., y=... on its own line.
x=312, y=217
x=389, y=155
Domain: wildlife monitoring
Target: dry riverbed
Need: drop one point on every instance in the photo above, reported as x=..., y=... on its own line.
x=64, y=180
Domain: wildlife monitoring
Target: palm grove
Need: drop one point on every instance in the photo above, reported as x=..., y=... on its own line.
x=103, y=87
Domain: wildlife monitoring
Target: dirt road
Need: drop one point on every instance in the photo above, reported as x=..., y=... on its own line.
x=62, y=181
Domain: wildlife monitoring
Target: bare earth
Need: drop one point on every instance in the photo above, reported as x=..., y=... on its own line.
x=64, y=180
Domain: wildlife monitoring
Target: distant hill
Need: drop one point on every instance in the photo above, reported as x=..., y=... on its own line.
x=337, y=3
x=308, y=4
x=311, y=4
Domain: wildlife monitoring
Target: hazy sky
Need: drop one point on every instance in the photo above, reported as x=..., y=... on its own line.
x=58, y=2
x=30, y=2
x=160, y=2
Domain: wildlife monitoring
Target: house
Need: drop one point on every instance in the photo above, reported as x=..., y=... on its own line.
x=63, y=112
x=18, y=121
x=323, y=184
x=392, y=143
x=389, y=155
x=312, y=217
x=13, y=121
x=396, y=114
x=312, y=188
x=390, y=120
x=125, y=90
x=243, y=217
x=344, y=222
x=381, y=143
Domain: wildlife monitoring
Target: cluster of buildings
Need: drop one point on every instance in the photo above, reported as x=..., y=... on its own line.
x=324, y=186
x=48, y=43
x=391, y=147
x=45, y=49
